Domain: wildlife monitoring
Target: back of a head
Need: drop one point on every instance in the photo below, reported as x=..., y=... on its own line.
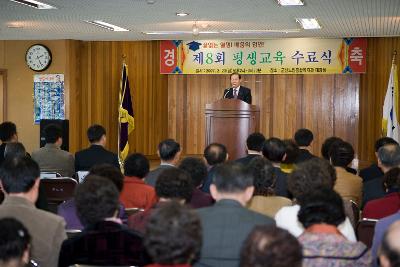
x=263, y=174
x=97, y=198
x=196, y=168
x=14, y=149
x=7, y=130
x=255, y=141
x=391, y=179
x=303, y=137
x=292, y=151
x=51, y=133
x=95, y=133
x=384, y=141
x=174, y=184
x=326, y=146
x=231, y=178
x=19, y=174
x=271, y=246
x=389, y=253
x=14, y=242
x=310, y=175
x=168, y=149
x=110, y=172
x=274, y=149
x=341, y=154
x=173, y=234
x=323, y=206
x=215, y=154
x=389, y=155
x=136, y=165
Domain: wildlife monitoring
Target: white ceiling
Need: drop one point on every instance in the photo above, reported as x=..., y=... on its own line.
x=338, y=18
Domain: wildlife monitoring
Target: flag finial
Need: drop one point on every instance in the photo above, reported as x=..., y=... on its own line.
x=394, y=56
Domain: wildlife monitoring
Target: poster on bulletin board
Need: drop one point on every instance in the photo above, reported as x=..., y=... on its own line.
x=48, y=97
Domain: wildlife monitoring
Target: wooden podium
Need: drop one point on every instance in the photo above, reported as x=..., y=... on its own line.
x=229, y=122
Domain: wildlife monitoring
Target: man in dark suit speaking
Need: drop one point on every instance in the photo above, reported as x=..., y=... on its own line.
x=237, y=91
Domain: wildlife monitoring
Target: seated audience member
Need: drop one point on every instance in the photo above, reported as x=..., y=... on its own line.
x=388, y=158
x=374, y=171
x=169, y=152
x=20, y=180
x=137, y=194
x=389, y=253
x=348, y=185
x=380, y=228
x=390, y=203
x=50, y=157
x=15, y=243
x=308, y=177
x=8, y=134
x=104, y=240
x=172, y=184
x=227, y=223
x=272, y=247
x=67, y=209
x=326, y=146
x=291, y=154
x=304, y=138
x=197, y=170
x=323, y=245
x=173, y=236
x=96, y=153
x=274, y=150
x=264, y=200
x=17, y=149
x=214, y=154
x=254, y=145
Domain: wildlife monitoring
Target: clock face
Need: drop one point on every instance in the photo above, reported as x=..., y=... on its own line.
x=38, y=57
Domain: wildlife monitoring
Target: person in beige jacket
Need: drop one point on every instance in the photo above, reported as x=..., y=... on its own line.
x=348, y=185
x=20, y=180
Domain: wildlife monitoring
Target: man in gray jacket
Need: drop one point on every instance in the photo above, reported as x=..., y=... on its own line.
x=228, y=223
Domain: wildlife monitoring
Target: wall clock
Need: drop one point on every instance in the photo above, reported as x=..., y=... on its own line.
x=38, y=57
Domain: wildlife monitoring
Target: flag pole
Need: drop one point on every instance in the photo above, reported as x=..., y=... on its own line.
x=394, y=56
x=120, y=96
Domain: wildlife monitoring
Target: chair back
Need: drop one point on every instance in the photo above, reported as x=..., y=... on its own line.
x=365, y=231
x=356, y=211
x=59, y=189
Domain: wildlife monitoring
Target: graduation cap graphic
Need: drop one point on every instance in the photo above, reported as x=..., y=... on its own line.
x=194, y=46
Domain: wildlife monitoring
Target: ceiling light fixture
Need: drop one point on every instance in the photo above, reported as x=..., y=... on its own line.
x=34, y=4
x=106, y=25
x=177, y=32
x=291, y=2
x=181, y=14
x=195, y=29
x=259, y=31
x=309, y=24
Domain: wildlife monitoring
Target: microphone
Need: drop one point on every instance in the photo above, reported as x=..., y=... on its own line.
x=226, y=93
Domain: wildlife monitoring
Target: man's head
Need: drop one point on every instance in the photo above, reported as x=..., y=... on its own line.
x=109, y=172
x=231, y=181
x=20, y=176
x=274, y=149
x=389, y=253
x=174, y=184
x=173, y=235
x=136, y=165
x=255, y=142
x=97, y=199
x=97, y=134
x=391, y=180
x=292, y=151
x=271, y=246
x=310, y=176
x=8, y=132
x=169, y=151
x=15, y=243
x=389, y=157
x=215, y=154
x=196, y=168
x=236, y=79
x=384, y=141
x=263, y=174
x=14, y=149
x=341, y=154
x=303, y=137
x=326, y=146
x=53, y=134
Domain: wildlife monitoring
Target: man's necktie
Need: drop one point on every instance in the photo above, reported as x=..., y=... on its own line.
x=235, y=93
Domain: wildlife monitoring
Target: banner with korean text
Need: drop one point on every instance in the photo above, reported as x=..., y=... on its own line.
x=280, y=56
